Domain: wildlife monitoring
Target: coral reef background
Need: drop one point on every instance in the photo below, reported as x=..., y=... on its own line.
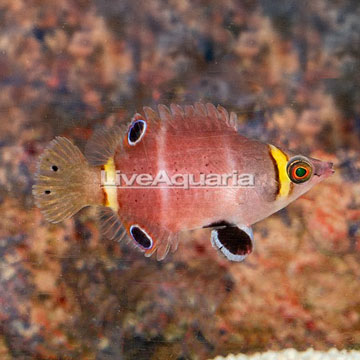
x=289, y=68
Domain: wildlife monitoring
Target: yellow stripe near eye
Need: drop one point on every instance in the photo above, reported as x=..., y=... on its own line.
x=110, y=189
x=281, y=161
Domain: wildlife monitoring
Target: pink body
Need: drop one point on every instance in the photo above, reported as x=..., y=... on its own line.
x=184, y=151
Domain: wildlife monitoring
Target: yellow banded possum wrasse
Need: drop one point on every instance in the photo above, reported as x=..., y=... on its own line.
x=200, y=140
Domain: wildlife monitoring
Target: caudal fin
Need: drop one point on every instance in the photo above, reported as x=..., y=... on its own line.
x=65, y=182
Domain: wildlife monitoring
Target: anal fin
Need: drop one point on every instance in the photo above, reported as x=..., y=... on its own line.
x=152, y=239
x=110, y=224
x=149, y=239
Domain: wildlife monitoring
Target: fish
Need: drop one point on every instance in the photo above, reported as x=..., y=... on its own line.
x=134, y=173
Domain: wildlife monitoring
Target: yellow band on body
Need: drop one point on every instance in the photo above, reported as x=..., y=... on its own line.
x=110, y=189
x=281, y=160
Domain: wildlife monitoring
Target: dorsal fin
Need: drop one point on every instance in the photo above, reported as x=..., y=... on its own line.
x=198, y=117
x=205, y=117
x=150, y=114
x=103, y=143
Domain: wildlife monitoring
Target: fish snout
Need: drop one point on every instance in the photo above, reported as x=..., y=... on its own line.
x=332, y=166
x=324, y=169
x=329, y=169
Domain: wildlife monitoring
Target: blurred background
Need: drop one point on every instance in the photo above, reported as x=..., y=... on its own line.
x=288, y=68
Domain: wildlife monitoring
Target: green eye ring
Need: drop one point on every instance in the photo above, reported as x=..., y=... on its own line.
x=299, y=170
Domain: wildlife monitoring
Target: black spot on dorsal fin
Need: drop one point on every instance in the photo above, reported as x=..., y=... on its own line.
x=136, y=131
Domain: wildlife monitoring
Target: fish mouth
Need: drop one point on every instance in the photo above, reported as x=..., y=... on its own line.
x=325, y=170
x=329, y=170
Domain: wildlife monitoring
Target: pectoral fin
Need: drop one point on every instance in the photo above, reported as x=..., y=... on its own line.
x=235, y=242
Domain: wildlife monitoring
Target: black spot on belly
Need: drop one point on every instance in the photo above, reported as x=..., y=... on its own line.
x=140, y=237
x=235, y=240
x=218, y=224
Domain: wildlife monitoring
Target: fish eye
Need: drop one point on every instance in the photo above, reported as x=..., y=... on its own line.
x=136, y=132
x=141, y=237
x=299, y=170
